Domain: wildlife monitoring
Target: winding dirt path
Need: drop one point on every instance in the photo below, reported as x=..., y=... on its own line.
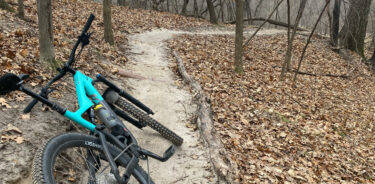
x=173, y=108
x=172, y=105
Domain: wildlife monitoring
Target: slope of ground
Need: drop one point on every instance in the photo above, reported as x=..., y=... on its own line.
x=319, y=129
x=22, y=134
x=19, y=39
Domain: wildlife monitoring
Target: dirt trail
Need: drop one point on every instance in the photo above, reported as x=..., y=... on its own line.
x=173, y=108
x=172, y=105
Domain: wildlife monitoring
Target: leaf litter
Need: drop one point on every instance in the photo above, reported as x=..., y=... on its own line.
x=319, y=129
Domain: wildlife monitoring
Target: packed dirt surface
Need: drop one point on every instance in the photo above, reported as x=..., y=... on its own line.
x=173, y=108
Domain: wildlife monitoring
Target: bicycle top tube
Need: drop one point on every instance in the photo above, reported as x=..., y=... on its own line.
x=84, y=90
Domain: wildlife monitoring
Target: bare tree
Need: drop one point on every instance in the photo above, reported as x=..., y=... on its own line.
x=288, y=56
x=221, y=10
x=211, y=10
x=121, y=2
x=308, y=41
x=20, y=9
x=335, y=22
x=238, y=65
x=230, y=11
x=248, y=10
x=269, y=16
x=47, y=53
x=108, y=34
x=4, y=5
x=353, y=33
x=257, y=8
x=183, y=11
x=156, y=4
x=372, y=60
x=329, y=18
x=196, y=8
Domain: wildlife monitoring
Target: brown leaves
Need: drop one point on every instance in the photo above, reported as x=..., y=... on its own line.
x=12, y=133
x=3, y=103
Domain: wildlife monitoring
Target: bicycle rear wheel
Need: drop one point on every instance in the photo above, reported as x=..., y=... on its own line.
x=70, y=158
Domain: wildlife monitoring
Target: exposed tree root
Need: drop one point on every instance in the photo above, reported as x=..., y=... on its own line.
x=224, y=168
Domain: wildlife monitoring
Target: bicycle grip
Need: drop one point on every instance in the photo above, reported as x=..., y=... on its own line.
x=30, y=106
x=88, y=23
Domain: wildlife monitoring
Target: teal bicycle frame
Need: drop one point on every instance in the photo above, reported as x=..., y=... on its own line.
x=84, y=90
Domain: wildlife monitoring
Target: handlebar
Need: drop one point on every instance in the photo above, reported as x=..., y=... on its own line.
x=88, y=23
x=84, y=39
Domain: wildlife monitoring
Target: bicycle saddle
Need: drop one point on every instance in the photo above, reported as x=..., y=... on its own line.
x=9, y=81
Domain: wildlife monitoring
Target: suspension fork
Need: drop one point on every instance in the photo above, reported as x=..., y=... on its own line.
x=114, y=169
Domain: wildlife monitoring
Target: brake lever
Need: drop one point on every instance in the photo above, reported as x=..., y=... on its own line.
x=85, y=39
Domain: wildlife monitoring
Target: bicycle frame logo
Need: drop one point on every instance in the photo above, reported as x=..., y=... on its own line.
x=84, y=90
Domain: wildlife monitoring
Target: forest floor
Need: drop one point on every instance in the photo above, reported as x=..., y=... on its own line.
x=318, y=129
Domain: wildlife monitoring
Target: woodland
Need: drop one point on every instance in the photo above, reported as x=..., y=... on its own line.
x=296, y=106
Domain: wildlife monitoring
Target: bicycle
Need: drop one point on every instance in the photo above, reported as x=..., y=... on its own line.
x=110, y=148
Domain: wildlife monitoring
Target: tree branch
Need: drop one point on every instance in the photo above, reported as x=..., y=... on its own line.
x=268, y=18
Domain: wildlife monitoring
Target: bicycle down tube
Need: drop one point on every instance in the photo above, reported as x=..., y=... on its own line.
x=84, y=88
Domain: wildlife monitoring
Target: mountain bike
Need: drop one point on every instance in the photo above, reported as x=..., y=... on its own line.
x=109, y=153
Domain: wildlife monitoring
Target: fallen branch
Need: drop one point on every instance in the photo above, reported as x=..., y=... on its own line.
x=320, y=75
x=324, y=75
x=224, y=168
x=271, y=21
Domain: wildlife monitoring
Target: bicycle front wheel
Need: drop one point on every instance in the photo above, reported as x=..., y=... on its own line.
x=144, y=118
x=76, y=158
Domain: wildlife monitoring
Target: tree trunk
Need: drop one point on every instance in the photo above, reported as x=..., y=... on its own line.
x=21, y=12
x=222, y=10
x=108, y=34
x=372, y=60
x=288, y=56
x=238, y=65
x=121, y=2
x=47, y=53
x=183, y=11
x=336, y=22
x=196, y=8
x=257, y=8
x=353, y=33
x=230, y=11
x=4, y=5
x=329, y=27
x=211, y=9
x=156, y=4
x=248, y=11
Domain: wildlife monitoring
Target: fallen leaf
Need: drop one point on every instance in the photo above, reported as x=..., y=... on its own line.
x=25, y=116
x=19, y=140
x=13, y=128
x=24, y=52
